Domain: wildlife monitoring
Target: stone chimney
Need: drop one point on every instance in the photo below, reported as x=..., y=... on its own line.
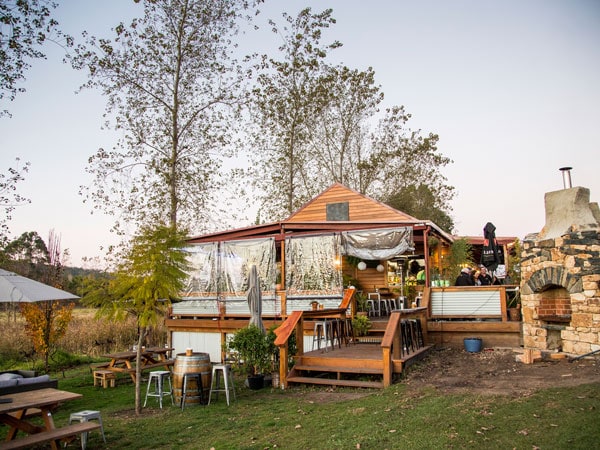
x=569, y=210
x=560, y=276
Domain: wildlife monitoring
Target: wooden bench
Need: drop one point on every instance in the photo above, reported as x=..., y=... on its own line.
x=48, y=436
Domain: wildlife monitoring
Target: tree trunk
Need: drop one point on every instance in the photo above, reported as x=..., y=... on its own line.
x=138, y=370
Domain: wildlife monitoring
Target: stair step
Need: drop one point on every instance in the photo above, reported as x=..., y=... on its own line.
x=362, y=370
x=333, y=382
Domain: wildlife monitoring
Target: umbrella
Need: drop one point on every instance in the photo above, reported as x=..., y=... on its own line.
x=255, y=299
x=18, y=289
x=490, y=257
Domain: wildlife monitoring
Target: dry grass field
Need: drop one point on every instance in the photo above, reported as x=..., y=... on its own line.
x=86, y=336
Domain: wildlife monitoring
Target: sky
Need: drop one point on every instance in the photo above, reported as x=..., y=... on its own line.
x=511, y=87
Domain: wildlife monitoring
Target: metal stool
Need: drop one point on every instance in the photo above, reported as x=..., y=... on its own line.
x=188, y=377
x=320, y=332
x=374, y=299
x=215, y=384
x=86, y=416
x=159, y=376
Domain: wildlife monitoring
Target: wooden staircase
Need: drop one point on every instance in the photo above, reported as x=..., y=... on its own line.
x=351, y=367
x=372, y=364
x=358, y=365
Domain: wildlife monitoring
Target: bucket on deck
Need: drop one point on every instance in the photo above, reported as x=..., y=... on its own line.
x=196, y=363
x=472, y=345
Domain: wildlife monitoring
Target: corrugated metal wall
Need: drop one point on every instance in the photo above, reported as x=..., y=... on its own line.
x=473, y=302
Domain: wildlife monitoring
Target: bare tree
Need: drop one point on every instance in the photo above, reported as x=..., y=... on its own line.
x=9, y=197
x=172, y=88
x=24, y=27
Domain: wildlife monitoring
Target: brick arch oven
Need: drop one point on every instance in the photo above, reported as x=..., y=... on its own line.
x=560, y=268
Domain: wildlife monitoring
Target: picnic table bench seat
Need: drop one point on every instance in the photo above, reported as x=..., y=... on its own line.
x=166, y=363
x=49, y=436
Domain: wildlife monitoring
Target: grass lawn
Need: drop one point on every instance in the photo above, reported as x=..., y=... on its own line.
x=320, y=418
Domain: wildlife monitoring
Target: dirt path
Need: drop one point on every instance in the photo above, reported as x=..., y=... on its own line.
x=496, y=371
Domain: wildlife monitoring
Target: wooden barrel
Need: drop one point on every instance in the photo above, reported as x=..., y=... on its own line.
x=196, y=363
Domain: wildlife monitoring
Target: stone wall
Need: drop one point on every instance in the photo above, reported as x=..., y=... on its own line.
x=559, y=292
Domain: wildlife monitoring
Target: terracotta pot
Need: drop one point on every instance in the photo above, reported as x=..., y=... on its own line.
x=514, y=314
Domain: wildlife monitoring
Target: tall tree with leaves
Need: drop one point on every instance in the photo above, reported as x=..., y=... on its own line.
x=172, y=89
x=288, y=97
x=419, y=201
x=24, y=27
x=151, y=273
x=338, y=138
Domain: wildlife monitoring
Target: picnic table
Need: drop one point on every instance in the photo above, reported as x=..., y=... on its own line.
x=17, y=409
x=152, y=357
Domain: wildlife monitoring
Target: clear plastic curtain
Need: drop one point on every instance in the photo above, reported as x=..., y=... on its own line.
x=312, y=265
x=378, y=244
x=221, y=269
x=237, y=258
x=202, y=277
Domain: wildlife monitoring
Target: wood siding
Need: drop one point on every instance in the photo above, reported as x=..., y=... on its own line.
x=361, y=208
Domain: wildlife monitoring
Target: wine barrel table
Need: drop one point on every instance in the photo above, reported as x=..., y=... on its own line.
x=196, y=363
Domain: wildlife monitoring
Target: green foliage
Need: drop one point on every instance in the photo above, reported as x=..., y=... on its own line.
x=361, y=301
x=361, y=325
x=420, y=201
x=151, y=273
x=514, y=263
x=460, y=255
x=255, y=348
x=548, y=418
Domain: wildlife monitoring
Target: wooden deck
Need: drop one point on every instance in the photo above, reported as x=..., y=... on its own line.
x=371, y=362
x=355, y=365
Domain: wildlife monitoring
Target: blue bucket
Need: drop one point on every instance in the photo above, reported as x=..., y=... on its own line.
x=472, y=345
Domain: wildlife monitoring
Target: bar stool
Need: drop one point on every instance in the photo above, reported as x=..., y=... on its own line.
x=189, y=376
x=374, y=299
x=320, y=332
x=335, y=332
x=86, y=416
x=347, y=330
x=215, y=384
x=159, y=377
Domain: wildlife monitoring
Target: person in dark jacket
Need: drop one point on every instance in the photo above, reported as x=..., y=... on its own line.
x=465, y=279
x=485, y=279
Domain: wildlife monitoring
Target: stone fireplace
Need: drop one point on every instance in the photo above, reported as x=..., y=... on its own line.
x=560, y=275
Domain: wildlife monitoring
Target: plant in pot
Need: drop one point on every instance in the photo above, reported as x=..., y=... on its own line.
x=361, y=325
x=513, y=305
x=361, y=304
x=254, y=349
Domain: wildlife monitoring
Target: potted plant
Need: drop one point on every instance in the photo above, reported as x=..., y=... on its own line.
x=255, y=350
x=361, y=325
x=513, y=305
x=361, y=304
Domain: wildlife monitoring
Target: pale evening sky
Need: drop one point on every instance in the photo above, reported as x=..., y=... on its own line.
x=511, y=87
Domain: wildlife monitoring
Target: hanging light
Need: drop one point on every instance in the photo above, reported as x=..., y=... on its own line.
x=380, y=267
x=362, y=265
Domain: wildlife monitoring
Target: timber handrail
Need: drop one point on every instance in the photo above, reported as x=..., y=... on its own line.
x=391, y=344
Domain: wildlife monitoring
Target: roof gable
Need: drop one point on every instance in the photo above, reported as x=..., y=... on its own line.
x=340, y=203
